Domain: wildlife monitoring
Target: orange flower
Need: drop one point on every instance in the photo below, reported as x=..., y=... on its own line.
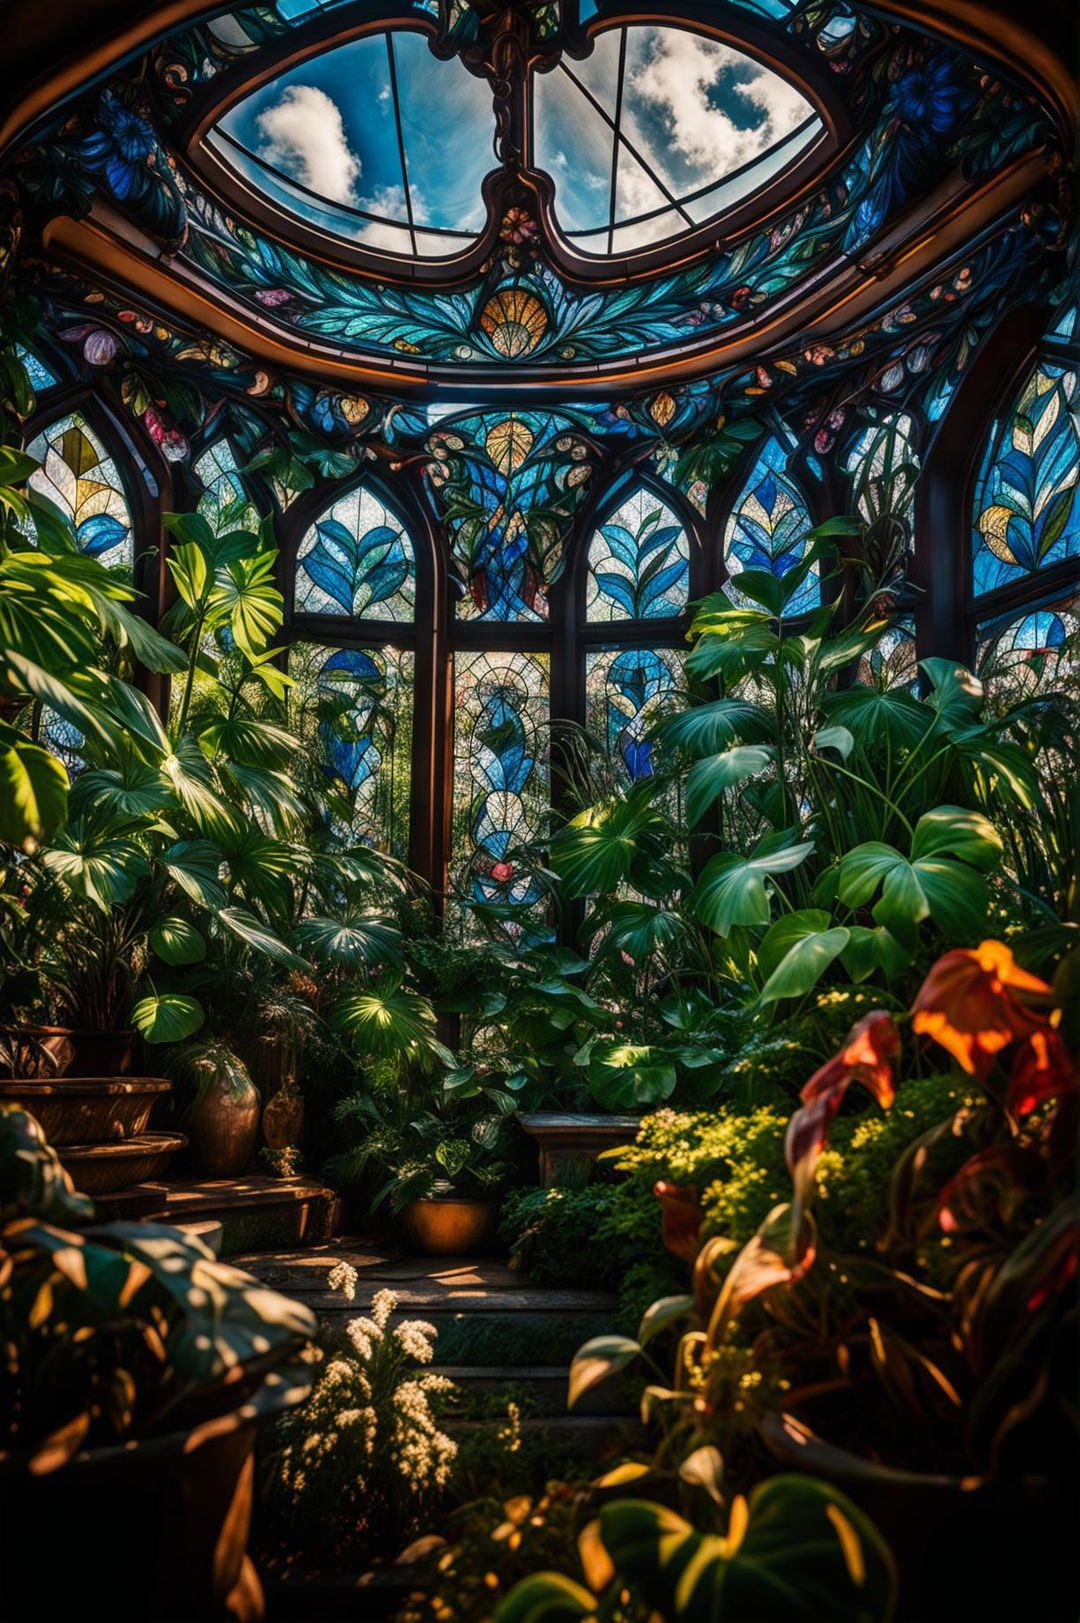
x=1041, y=1070
x=682, y=1218
x=969, y=1004
x=873, y=1043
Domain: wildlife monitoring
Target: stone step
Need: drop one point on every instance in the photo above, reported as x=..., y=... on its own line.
x=541, y=1387
x=257, y=1214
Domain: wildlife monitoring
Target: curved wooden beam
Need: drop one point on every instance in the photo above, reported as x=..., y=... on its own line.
x=53, y=50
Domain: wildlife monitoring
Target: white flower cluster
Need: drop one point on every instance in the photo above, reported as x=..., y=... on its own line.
x=423, y=1452
x=343, y=1277
x=416, y=1338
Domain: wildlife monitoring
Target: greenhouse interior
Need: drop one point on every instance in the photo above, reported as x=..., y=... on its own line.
x=539, y=811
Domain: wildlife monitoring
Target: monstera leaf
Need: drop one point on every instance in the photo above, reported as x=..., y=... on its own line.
x=941, y=880
x=797, y=1552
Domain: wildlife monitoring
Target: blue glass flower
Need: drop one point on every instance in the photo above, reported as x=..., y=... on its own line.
x=121, y=149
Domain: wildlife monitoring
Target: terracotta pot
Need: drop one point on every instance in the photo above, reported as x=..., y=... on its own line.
x=102, y=1169
x=448, y=1226
x=87, y=1110
x=43, y=1052
x=569, y=1144
x=222, y=1125
x=152, y=1532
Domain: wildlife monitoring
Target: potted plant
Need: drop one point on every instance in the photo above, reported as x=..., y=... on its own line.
x=134, y=1402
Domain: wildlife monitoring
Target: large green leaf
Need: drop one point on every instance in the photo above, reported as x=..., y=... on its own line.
x=706, y=729
x=731, y=889
x=388, y=1021
x=254, y=933
x=245, y=591
x=893, y=717
x=950, y=892
x=190, y=571
x=33, y=789
x=176, y=942
x=597, y=1361
x=731, y=642
x=870, y=950
x=192, y=780
x=263, y=870
x=250, y=742
x=796, y=951
x=598, y=848
x=959, y=832
x=363, y=939
x=102, y=866
x=630, y=1076
x=131, y=789
x=708, y=779
x=195, y=865
x=639, y=929
x=167, y=1017
x=804, y=1553
x=546, y=1597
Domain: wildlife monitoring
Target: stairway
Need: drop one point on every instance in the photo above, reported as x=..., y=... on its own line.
x=499, y=1340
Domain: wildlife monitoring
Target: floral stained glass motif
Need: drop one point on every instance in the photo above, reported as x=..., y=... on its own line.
x=1036, y=649
x=626, y=691
x=639, y=562
x=501, y=774
x=1026, y=511
x=507, y=484
x=357, y=560
x=769, y=526
x=224, y=502
x=84, y=482
x=356, y=707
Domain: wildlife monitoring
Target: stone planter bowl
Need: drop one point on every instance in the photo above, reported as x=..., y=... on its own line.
x=87, y=1110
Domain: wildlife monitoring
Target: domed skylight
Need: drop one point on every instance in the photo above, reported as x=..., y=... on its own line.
x=381, y=143
x=658, y=131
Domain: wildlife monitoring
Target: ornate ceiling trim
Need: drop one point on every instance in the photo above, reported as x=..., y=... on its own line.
x=848, y=291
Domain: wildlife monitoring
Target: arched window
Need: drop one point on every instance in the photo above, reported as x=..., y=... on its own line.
x=224, y=503
x=357, y=560
x=637, y=587
x=769, y=525
x=639, y=562
x=883, y=466
x=1024, y=561
x=354, y=592
x=79, y=475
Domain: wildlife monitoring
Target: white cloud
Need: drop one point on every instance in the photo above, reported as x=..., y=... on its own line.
x=675, y=72
x=304, y=135
x=390, y=202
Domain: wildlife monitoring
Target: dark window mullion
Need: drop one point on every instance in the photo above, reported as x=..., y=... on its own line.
x=400, y=139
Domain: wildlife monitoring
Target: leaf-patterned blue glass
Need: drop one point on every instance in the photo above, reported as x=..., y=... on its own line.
x=891, y=663
x=884, y=468
x=83, y=480
x=507, y=485
x=769, y=526
x=355, y=706
x=224, y=502
x=1026, y=515
x=639, y=562
x=626, y=690
x=1035, y=649
x=501, y=774
x=357, y=560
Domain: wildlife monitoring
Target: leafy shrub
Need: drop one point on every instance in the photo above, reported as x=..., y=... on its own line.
x=552, y=1236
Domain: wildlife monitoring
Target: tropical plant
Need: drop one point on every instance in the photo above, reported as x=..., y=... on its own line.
x=827, y=827
x=121, y=1330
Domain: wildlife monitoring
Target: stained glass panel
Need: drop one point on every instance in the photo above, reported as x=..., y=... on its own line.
x=769, y=526
x=84, y=482
x=884, y=467
x=1026, y=513
x=892, y=662
x=356, y=706
x=501, y=774
x=626, y=691
x=224, y=502
x=357, y=559
x=639, y=562
x=40, y=376
x=1037, y=648
x=507, y=485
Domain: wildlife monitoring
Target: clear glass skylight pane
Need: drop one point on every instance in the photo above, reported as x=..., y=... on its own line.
x=574, y=145
x=447, y=128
